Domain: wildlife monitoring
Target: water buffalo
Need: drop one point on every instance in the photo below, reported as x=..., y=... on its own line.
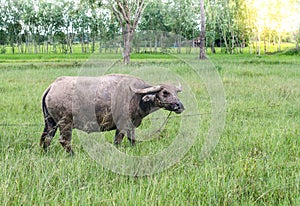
x=94, y=104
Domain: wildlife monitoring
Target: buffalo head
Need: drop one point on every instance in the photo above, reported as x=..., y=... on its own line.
x=163, y=96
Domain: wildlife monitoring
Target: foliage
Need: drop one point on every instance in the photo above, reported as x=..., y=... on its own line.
x=32, y=26
x=154, y=17
x=3, y=50
x=128, y=14
x=292, y=52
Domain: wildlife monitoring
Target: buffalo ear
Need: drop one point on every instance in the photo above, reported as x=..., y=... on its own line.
x=148, y=98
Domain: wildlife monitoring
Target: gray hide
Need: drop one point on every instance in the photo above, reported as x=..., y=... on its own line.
x=95, y=104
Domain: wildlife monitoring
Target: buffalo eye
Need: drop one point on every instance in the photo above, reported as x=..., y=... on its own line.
x=166, y=93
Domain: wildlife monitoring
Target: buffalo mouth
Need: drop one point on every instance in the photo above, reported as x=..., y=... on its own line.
x=178, y=111
x=177, y=108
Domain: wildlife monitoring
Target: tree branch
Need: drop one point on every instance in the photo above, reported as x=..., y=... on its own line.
x=138, y=13
x=124, y=11
x=118, y=15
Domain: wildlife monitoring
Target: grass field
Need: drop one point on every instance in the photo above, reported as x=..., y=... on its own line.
x=256, y=161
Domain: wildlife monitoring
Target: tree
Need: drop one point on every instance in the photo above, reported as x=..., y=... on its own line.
x=181, y=19
x=203, y=30
x=12, y=22
x=297, y=38
x=211, y=26
x=154, y=23
x=82, y=23
x=96, y=21
x=128, y=14
x=68, y=25
x=227, y=24
x=3, y=24
x=154, y=17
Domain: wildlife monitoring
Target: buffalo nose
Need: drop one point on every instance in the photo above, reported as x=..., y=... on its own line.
x=179, y=107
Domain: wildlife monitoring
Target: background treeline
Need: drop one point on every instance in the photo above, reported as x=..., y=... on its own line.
x=36, y=26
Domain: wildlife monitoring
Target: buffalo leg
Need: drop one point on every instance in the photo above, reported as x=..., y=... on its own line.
x=48, y=133
x=65, y=128
x=118, y=137
x=131, y=136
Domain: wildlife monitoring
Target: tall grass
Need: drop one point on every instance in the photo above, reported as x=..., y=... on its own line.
x=256, y=161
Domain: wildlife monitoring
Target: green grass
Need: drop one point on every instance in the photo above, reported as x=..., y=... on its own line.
x=256, y=161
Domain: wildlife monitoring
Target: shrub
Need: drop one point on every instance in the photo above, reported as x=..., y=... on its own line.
x=292, y=52
x=3, y=50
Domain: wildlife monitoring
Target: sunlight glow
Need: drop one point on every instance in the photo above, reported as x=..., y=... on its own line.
x=278, y=15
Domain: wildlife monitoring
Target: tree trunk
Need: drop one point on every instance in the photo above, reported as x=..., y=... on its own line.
x=297, y=40
x=213, y=49
x=258, y=44
x=26, y=44
x=156, y=42
x=265, y=45
x=225, y=41
x=127, y=36
x=212, y=46
x=179, y=45
x=232, y=42
x=69, y=43
x=202, y=54
x=12, y=48
x=279, y=43
x=82, y=43
x=243, y=45
x=269, y=42
x=128, y=21
x=34, y=46
x=93, y=44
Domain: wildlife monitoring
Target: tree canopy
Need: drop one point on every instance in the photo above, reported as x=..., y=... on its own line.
x=36, y=26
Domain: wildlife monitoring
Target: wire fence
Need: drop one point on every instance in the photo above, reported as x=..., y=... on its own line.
x=250, y=109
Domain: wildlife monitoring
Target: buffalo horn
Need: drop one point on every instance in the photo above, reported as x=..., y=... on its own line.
x=147, y=90
x=179, y=88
